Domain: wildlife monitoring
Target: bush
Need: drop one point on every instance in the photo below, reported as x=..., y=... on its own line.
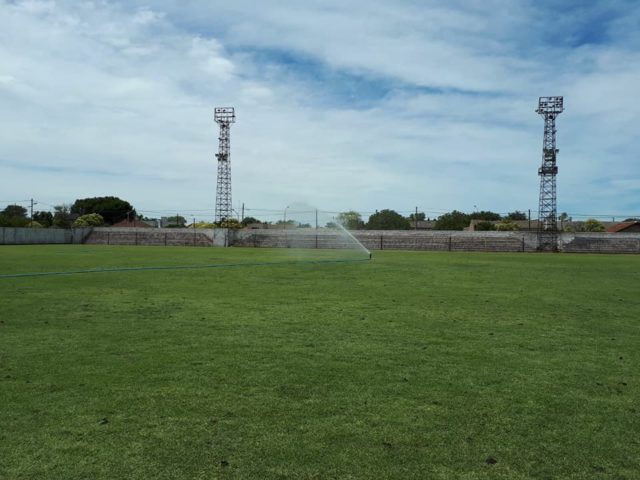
x=229, y=223
x=593, y=225
x=590, y=225
x=19, y=222
x=506, y=226
x=484, y=226
x=204, y=225
x=89, y=220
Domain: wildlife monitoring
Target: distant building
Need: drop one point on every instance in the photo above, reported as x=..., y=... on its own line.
x=632, y=226
x=257, y=226
x=524, y=225
x=422, y=224
x=132, y=224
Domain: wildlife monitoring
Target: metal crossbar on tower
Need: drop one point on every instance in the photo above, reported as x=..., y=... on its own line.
x=224, y=116
x=549, y=108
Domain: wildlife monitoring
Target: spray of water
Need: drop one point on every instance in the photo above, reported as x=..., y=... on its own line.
x=347, y=232
x=312, y=233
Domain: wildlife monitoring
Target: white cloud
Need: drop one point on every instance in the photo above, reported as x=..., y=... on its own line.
x=106, y=98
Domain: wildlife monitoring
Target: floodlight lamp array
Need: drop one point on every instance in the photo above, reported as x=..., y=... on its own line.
x=553, y=105
x=224, y=115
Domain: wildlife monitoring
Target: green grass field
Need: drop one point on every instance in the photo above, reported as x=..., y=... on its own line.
x=414, y=365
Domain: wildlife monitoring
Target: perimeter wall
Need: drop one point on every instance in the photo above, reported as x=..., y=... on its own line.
x=452, y=241
x=310, y=238
x=26, y=236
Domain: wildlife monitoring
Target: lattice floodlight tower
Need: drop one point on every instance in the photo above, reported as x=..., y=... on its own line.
x=549, y=108
x=224, y=116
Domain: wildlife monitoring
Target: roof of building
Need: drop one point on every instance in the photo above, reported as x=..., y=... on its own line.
x=132, y=224
x=620, y=227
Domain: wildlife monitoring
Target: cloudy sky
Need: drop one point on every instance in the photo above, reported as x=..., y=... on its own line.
x=343, y=105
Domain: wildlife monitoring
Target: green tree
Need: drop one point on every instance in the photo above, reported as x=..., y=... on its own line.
x=516, y=215
x=485, y=215
x=15, y=211
x=287, y=223
x=419, y=216
x=112, y=209
x=177, y=221
x=593, y=225
x=14, y=216
x=506, y=225
x=62, y=217
x=484, y=226
x=229, y=223
x=43, y=218
x=387, y=220
x=88, y=220
x=18, y=222
x=203, y=224
x=248, y=220
x=350, y=220
x=454, y=220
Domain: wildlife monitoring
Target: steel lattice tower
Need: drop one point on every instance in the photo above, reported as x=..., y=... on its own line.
x=224, y=116
x=549, y=108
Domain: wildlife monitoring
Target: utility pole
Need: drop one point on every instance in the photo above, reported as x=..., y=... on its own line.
x=415, y=219
x=242, y=219
x=31, y=218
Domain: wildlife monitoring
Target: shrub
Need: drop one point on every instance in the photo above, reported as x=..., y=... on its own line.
x=229, y=223
x=484, y=226
x=506, y=225
x=89, y=220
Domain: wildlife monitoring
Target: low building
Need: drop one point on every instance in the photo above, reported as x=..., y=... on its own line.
x=132, y=224
x=632, y=226
x=422, y=224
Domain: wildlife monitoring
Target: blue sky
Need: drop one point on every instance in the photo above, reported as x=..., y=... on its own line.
x=343, y=105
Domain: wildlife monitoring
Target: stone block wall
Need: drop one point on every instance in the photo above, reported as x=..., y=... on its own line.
x=628, y=243
x=159, y=236
x=600, y=242
x=31, y=236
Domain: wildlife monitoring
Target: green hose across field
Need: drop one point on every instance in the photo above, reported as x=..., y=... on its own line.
x=176, y=267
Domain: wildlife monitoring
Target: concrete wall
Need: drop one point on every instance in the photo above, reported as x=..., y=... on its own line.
x=199, y=237
x=600, y=242
x=392, y=240
x=310, y=238
x=453, y=241
x=28, y=236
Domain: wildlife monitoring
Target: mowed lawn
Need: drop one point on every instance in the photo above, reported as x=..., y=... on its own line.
x=414, y=365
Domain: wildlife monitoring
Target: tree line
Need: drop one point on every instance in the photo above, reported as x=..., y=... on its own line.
x=97, y=211
x=391, y=220
x=84, y=212
x=457, y=220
